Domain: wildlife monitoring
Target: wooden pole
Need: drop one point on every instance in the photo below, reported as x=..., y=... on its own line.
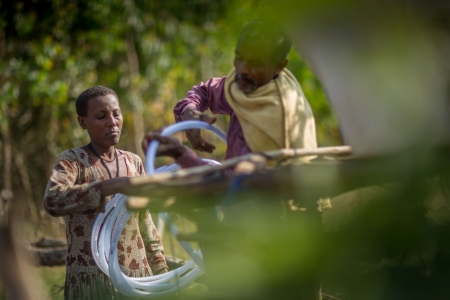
x=230, y=163
x=193, y=188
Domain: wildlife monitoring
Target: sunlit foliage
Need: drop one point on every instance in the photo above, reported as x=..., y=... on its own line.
x=150, y=52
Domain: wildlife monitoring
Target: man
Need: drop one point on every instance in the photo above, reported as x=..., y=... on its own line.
x=268, y=111
x=265, y=103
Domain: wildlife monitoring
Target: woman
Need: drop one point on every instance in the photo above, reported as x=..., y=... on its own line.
x=82, y=181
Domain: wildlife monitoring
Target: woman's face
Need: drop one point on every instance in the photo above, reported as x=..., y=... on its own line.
x=103, y=120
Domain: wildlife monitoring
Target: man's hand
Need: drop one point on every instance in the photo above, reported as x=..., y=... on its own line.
x=168, y=146
x=193, y=135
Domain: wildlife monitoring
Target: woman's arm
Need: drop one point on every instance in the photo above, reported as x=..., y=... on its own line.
x=172, y=147
x=64, y=196
x=114, y=186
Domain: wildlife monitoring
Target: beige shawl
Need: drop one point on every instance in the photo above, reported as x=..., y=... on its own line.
x=275, y=115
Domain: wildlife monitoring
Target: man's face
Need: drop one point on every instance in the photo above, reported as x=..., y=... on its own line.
x=103, y=120
x=254, y=65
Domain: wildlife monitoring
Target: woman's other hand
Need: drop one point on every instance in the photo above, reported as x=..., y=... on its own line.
x=168, y=146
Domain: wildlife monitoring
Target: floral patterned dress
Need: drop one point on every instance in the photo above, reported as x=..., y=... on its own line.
x=74, y=192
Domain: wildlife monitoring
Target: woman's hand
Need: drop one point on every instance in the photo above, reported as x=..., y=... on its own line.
x=168, y=146
x=114, y=186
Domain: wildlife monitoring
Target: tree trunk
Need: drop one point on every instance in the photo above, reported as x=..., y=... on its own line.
x=12, y=269
x=27, y=186
x=135, y=97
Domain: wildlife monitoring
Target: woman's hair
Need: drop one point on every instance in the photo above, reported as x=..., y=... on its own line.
x=92, y=92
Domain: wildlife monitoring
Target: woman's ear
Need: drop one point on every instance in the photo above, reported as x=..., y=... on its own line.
x=82, y=122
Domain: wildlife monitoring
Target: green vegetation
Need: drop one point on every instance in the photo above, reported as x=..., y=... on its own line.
x=387, y=241
x=150, y=52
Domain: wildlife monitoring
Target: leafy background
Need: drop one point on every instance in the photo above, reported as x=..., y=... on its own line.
x=150, y=52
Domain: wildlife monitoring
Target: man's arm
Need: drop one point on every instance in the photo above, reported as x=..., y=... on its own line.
x=208, y=95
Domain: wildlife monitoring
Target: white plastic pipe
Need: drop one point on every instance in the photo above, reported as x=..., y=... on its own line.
x=109, y=225
x=185, y=125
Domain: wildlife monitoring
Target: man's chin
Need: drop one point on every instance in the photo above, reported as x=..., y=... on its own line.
x=246, y=88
